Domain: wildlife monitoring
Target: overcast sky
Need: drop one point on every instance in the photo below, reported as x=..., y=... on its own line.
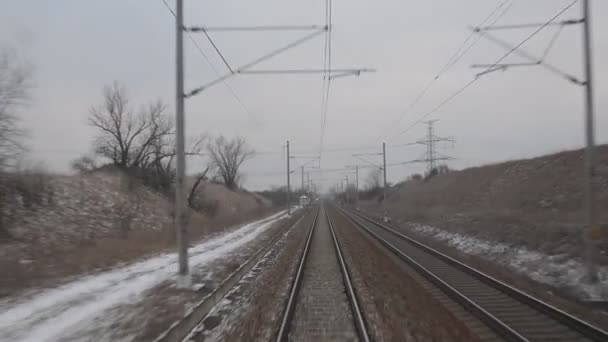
x=77, y=47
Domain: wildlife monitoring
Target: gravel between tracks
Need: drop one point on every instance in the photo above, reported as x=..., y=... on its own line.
x=395, y=306
x=322, y=311
x=252, y=310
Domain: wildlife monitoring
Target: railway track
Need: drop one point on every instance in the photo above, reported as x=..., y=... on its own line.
x=512, y=314
x=185, y=328
x=322, y=303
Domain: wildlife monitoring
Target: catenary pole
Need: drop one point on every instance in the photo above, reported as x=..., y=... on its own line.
x=384, y=170
x=357, y=181
x=589, y=199
x=183, y=277
x=302, y=176
x=288, y=181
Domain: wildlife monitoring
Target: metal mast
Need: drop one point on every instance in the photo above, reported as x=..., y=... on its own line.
x=183, y=276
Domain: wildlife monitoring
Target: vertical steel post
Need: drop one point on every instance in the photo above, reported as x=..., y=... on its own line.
x=302, y=176
x=308, y=181
x=384, y=169
x=288, y=185
x=589, y=200
x=431, y=147
x=183, y=276
x=357, y=181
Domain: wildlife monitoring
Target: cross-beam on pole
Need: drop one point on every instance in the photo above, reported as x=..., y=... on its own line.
x=253, y=28
x=531, y=25
x=302, y=71
x=257, y=61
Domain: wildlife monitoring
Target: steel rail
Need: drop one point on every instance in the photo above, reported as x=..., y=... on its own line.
x=295, y=286
x=180, y=330
x=584, y=328
x=360, y=323
x=486, y=317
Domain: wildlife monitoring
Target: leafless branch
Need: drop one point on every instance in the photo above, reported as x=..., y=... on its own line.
x=15, y=77
x=227, y=156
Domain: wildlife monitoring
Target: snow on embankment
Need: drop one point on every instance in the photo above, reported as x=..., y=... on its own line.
x=68, y=312
x=554, y=270
x=73, y=209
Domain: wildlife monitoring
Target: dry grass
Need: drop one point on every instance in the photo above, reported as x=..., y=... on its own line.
x=95, y=221
x=548, y=185
x=251, y=301
x=536, y=203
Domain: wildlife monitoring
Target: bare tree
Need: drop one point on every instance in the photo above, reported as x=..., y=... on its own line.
x=374, y=179
x=193, y=196
x=127, y=138
x=227, y=156
x=15, y=79
x=141, y=144
x=15, y=83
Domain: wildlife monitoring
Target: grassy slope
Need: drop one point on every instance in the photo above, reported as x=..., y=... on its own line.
x=81, y=226
x=535, y=202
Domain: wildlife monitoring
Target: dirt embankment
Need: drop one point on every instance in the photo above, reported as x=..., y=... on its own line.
x=521, y=221
x=61, y=226
x=536, y=203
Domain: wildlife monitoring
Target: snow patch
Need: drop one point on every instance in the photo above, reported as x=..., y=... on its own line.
x=61, y=313
x=555, y=270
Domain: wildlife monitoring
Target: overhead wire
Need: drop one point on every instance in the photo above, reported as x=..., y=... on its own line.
x=552, y=42
x=325, y=79
x=534, y=61
x=454, y=58
x=478, y=37
x=530, y=25
x=217, y=73
x=459, y=54
x=532, y=35
x=218, y=51
x=476, y=78
x=327, y=76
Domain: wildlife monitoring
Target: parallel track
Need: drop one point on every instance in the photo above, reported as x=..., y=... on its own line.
x=288, y=313
x=513, y=314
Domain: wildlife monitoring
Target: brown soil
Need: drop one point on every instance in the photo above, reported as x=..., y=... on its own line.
x=47, y=267
x=396, y=307
x=165, y=304
x=536, y=203
x=84, y=223
x=257, y=301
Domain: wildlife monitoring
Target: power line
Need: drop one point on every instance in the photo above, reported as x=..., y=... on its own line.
x=535, y=61
x=217, y=73
x=478, y=38
x=456, y=56
x=255, y=62
x=552, y=42
x=491, y=67
x=326, y=76
x=532, y=35
x=218, y=51
x=443, y=103
x=517, y=26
